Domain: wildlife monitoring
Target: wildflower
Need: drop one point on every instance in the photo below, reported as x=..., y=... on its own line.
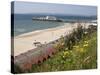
x=85, y=32
x=76, y=46
x=66, y=53
x=66, y=48
x=81, y=50
x=86, y=42
x=63, y=56
x=85, y=45
x=70, y=51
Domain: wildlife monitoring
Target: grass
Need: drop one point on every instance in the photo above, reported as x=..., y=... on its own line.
x=83, y=55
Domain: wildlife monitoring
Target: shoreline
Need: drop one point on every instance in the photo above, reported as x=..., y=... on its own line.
x=24, y=42
x=41, y=31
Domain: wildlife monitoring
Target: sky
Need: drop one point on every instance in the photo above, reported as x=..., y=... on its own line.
x=51, y=8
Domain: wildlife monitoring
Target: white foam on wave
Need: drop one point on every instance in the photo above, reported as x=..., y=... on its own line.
x=20, y=30
x=36, y=32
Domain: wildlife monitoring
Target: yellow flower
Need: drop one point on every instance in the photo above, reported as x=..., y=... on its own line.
x=63, y=56
x=66, y=53
x=76, y=46
x=70, y=51
x=85, y=45
x=86, y=42
x=81, y=50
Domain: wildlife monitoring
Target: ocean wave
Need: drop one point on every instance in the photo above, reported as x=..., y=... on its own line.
x=20, y=30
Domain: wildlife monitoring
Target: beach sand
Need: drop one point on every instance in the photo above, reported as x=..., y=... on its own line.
x=24, y=42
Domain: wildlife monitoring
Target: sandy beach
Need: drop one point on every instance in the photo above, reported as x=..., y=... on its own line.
x=24, y=42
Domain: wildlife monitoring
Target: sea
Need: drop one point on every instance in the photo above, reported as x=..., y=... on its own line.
x=23, y=23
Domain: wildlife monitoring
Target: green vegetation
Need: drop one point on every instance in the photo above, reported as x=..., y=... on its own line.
x=78, y=52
